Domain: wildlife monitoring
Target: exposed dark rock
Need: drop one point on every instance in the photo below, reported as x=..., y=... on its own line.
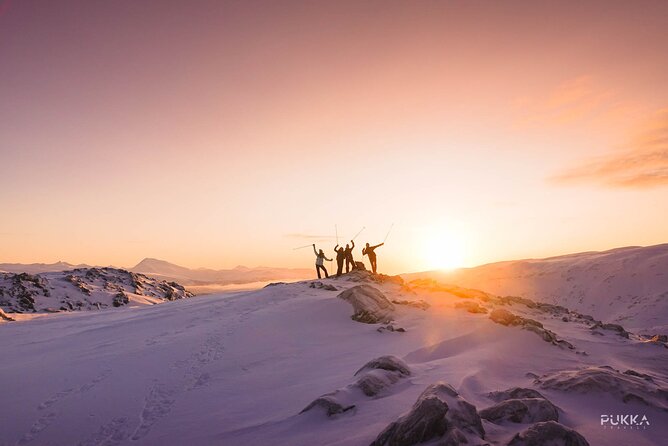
x=438, y=413
x=120, y=299
x=505, y=317
x=548, y=433
x=323, y=286
x=370, y=306
x=426, y=420
x=462, y=414
x=527, y=410
x=391, y=328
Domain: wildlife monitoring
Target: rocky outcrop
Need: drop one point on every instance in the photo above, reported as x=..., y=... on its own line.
x=120, y=299
x=525, y=410
x=439, y=412
x=374, y=378
x=380, y=373
x=362, y=275
x=505, y=317
x=391, y=328
x=548, y=433
x=627, y=387
x=82, y=289
x=618, y=329
x=329, y=405
x=471, y=307
x=370, y=306
x=322, y=286
x=425, y=421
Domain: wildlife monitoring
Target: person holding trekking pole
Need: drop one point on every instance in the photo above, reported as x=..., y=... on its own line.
x=369, y=251
x=350, y=262
x=340, y=257
x=319, y=262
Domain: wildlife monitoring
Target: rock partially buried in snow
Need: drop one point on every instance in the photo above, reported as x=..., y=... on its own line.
x=390, y=363
x=391, y=328
x=374, y=377
x=471, y=307
x=611, y=327
x=370, y=306
x=604, y=379
x=323, y=286
x=329, y=405
x=439, y=412
x=505, y=317
x=380, y=373
x=515, y=393
x=548, y=433
x=426, y=420
x=526, y=410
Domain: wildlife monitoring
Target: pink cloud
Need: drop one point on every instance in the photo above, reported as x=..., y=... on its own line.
x=643, y=162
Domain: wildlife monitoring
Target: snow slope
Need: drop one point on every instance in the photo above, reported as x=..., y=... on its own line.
x=625, y=285
x=238, y=369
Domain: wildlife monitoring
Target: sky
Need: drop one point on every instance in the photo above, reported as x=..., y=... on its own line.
x=219, y=133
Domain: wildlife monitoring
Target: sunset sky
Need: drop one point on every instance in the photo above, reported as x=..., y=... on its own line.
x=213, y=133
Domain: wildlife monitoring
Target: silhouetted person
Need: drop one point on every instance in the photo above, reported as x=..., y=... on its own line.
x=350, y=263
x=369, y=251
x=319, y=260
x=340, y=257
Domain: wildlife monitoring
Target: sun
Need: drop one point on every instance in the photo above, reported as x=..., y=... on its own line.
x=444, y=250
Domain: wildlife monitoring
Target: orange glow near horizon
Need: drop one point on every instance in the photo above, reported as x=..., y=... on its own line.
x=229, y=133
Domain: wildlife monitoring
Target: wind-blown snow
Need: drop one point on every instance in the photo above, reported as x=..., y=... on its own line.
x=238, y=369
x=625, y=285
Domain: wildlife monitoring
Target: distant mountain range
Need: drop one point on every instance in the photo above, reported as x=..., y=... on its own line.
x=164, y=270
x=624, y=285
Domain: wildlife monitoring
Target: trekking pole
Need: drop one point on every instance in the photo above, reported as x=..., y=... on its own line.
x=388, y=232
x=363, y=228
x=337, y=233
x=301, y=247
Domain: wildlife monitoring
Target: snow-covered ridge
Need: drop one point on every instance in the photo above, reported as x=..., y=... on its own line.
x=317, y=362
x=193, y=278
x=83, y=289
x=628, y=285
